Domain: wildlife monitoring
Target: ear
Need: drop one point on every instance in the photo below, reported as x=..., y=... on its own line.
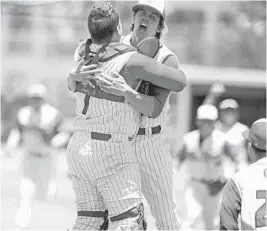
x=119, y=28
x=159, y=28
x=133, y=19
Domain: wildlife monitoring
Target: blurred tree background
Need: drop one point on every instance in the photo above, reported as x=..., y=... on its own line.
x=226, y=34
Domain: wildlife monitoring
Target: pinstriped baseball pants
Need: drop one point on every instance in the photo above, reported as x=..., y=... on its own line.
x=105, y=175
x=153, y=156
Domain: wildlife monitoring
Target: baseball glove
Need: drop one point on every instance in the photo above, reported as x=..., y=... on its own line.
x=216, y=186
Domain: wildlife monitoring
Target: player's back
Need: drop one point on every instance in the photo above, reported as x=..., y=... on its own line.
x=103, y=115
x=252, y=185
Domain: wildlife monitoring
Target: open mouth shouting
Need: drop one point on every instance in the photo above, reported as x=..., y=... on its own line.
x=143, y=27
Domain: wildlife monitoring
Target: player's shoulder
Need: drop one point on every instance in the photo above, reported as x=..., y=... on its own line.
x=241, y=127
x=50, y=110
x=79, y=51
x=166, y=49
x=24, y=114
x=126, y=39
x=192, y=135
x=246, y=175
x=24, y=111
x=218, y=133
x=165, y=54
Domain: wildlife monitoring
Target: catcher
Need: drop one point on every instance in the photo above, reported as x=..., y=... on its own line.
x=101, y=161
x=205, y=154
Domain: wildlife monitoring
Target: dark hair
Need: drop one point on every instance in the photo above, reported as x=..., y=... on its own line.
x=161, y=26
x=103, y=20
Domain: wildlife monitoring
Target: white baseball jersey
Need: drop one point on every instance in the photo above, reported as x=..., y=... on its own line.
x=104, y=173
x=35, y=125
x=246, y=194
x=105, y=116
x=234, y=134
x=153, y=156
x=236, y=141
x=38, y=164
x=206, y=160
x=162, y=119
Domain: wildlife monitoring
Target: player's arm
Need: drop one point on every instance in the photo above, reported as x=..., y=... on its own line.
x=139, y=66
x=216, y=90
x=151, y=106
x=181, y=155
x=231, y=151
x=117, y=85
x=148, y=105
x=81, y=73
x=59, y=138
x=161, y=94
x=14, y=137
x=230, y=207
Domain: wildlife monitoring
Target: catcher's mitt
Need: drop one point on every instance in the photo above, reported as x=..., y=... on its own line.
x=216, y=186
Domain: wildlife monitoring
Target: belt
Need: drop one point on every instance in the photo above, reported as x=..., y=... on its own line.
x=134, y=212
x=203, y=181
x=154, y=130
x=107, y=137
x=100, y=136
x=38, y=155
x=103, y=214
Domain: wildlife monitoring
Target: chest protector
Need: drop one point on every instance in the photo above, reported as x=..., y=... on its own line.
x=104, y=54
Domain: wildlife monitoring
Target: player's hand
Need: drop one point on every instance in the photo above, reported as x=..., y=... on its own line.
x=217, y=89
x=60, y=140
x=115, y=84
x=84, y=73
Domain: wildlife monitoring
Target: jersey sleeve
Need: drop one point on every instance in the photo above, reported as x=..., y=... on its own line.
x=139, y=66
x=230, y=207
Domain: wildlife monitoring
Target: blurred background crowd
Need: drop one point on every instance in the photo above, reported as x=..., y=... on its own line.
x=216, y=42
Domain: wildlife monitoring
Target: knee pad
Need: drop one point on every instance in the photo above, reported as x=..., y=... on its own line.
x=99, y=214
x=135, y=212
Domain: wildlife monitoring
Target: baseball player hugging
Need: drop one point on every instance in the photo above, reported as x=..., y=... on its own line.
x=102, y=163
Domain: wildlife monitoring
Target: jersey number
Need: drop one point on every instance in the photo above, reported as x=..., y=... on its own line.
x=260, y=215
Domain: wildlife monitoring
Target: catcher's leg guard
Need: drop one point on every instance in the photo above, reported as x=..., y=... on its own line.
x=133, y=219
x=98, y=214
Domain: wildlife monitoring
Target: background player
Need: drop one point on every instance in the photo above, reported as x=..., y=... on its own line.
x=114, y=175
x=151, y=145
x=229, y=113
x=246, y=193
x=207, y=169
x=38, y=133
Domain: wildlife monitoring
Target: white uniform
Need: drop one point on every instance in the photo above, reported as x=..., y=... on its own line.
x=105, y=174
x=153, y=156
x=236, y=141
x=203, y=162
x=246, y=194
x=38, y=162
